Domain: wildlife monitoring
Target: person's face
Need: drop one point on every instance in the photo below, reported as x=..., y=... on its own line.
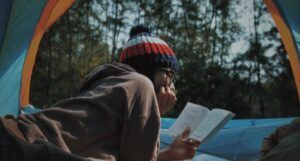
x=164, y=77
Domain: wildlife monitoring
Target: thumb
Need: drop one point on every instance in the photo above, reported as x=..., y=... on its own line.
x=186, y=132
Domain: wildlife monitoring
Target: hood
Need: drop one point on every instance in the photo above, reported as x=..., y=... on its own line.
x=104, y=71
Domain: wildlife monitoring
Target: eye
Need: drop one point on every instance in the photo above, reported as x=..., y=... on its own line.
x=165, y=76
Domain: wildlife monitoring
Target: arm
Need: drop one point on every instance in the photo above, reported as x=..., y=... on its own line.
x=140, y=131
x=181, y=148
x=56, y=154
x=166, y=98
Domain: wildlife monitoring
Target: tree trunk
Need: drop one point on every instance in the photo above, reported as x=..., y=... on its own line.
x=114, y=43
x=257, y=60
x=70, y=52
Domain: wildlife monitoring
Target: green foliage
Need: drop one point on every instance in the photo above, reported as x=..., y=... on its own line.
x=256, y=82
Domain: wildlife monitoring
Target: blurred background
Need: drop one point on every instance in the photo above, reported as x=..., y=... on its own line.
x=230, y=53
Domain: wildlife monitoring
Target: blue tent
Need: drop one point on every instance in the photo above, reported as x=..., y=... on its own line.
x=239, y=140
x=22, y=24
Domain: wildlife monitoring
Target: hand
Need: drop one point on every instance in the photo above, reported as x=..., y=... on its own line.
x=181, y=148
x=166, y=98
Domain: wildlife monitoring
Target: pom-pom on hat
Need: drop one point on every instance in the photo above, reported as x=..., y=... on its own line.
x=146, y=52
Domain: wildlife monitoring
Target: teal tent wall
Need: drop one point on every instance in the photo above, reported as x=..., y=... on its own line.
x=18, y=20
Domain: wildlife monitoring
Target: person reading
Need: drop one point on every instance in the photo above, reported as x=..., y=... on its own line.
x=115, y=116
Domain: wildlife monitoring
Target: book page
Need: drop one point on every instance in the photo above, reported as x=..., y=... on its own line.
x=191, y=116
x=214, y=121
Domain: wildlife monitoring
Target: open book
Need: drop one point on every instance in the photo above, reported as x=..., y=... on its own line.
x=204, y=123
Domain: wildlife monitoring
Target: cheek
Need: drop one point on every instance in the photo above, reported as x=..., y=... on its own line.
x=160, y=80
x=157, y=88
x=157, y=84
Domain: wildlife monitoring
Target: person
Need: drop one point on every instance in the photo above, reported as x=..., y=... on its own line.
x=283, y=144
x=116, y=115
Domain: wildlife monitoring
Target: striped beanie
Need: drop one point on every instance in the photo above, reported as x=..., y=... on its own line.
x=146, y=52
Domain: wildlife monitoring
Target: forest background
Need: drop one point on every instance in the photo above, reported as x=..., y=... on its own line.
x=229, y=51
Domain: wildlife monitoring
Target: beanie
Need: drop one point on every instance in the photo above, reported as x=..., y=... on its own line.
x=146, y=52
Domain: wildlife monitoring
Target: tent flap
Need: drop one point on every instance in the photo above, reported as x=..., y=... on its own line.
x=286, y=16
x=22, y=25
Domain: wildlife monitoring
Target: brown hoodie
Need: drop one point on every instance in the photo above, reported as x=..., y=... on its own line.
x=115, y=117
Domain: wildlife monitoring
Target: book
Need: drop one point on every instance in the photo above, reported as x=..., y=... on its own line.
x=204, y=123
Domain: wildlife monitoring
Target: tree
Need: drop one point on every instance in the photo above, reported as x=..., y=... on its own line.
x=251, y=83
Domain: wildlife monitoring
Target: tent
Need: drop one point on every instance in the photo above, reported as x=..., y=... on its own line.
x=239, y=140
x=22, y=24
x=286, y=16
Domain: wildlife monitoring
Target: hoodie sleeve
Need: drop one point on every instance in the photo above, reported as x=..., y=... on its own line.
x=140, y=134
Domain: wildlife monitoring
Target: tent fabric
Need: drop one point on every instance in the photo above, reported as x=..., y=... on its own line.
x=18, y=33
x=239, y=140
x=22, y=24
x=4, y=11
x=286, y=16
x=52, y=10
x=26, y=21
x=207, y=157
x=29, y=109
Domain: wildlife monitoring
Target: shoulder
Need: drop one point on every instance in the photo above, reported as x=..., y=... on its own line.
x=141, y=97
x=140, y=82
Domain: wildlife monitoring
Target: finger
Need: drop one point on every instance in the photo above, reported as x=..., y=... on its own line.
x=193, y=142
x=162, y=90
x=172, y=87
x=162, y=97
x=168, y=90
x=186, y=132
x=174, y=98
x=162, y=94
x=167, y=81
x=172, y=102
x=172, y=93
x=169, y=96
x=195, y=148
x=190, y=153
